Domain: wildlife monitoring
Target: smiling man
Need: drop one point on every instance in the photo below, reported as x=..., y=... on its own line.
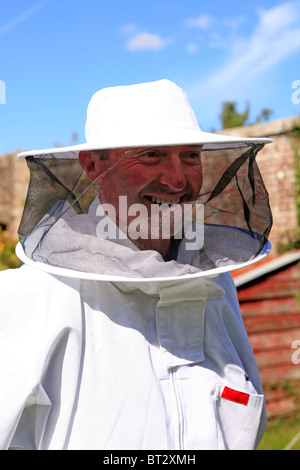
x=122, y=329
x=147, y=178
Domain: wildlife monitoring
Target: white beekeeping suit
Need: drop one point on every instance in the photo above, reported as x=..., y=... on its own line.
x=122, y=329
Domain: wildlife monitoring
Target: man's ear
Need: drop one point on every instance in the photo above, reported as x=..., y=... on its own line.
x=91, y=163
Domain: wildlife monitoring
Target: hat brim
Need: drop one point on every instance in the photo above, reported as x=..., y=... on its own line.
x=210, y=141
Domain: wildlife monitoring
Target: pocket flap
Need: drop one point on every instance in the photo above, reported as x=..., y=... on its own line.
x=239, y=414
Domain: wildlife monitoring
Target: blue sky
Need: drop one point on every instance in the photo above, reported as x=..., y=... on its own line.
x=56, y=53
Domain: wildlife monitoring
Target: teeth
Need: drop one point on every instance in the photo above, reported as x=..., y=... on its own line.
x=165, y=201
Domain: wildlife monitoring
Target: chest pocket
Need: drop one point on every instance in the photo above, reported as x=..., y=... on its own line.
x=239, y=416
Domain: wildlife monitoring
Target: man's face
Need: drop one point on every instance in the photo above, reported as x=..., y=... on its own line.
x=169, y=175
x=152, y=175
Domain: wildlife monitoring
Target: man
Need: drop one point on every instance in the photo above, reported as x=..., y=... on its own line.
x=122, y=330
x=170, y=175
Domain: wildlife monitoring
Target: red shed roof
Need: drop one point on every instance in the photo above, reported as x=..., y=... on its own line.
x=266, y=266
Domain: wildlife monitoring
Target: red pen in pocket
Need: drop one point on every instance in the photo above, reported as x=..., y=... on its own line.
x=235, y=395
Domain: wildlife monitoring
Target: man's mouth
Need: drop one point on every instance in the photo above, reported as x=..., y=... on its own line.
x=160, y=200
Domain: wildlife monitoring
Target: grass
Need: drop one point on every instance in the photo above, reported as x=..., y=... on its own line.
x=280, y=433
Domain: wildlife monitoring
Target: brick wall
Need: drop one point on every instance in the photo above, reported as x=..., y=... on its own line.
x=13, y=189
x=277, y=165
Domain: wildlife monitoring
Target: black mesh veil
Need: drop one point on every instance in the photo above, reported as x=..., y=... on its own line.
x=67, y=223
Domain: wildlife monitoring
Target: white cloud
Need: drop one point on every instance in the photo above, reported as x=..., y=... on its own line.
x=234, y=22
x=146, y=41
x=219, y=32
x=216, y=40
x=202, y=22
x=192, y=47
x=275, y=20
x=276, y=36
x=271, y=54
x=129, y=28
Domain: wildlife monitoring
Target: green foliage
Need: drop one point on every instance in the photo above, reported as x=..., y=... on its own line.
x=231, y=117
x=280, y=433
x=264, y=115
x=290, y=241
x=282, y=429
x=296, y=145
x=8, y=258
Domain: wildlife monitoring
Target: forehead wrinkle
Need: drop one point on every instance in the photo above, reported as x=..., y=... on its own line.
x=118, y=155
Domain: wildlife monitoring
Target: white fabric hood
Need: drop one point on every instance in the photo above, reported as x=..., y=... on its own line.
x=73, y=248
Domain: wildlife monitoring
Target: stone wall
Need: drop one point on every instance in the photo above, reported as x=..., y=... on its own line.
x=277, y=165
x=13, y=188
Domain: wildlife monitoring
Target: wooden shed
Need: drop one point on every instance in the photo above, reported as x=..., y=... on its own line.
x=269, y=296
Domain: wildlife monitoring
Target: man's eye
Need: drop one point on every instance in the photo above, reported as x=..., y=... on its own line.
x=150, y=156
x=193, y=157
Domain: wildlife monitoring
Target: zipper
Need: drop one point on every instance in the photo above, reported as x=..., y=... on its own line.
x=179, y=424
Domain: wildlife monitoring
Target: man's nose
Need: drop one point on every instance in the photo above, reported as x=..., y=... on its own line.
x=173, y=175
